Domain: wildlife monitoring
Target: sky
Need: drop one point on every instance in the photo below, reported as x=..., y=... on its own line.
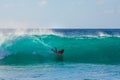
x=59, y=13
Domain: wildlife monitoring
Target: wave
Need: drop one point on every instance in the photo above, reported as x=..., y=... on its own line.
x=37, y=48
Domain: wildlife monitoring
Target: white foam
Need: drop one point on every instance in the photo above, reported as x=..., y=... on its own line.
x=102, y=34
x=10, y=34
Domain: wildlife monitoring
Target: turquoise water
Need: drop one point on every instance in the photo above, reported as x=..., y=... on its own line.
x=37, y=48
x=89, y=54
x=60, y=71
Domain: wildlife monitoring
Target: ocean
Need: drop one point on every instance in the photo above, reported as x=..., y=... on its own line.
x=90, y=54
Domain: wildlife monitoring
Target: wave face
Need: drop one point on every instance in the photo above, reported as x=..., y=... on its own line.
x=79, y=47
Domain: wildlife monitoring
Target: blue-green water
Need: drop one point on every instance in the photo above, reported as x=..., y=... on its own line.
x=90, y=54
x=60, y=71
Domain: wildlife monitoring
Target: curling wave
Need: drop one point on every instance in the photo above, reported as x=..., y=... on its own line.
x=37, y=48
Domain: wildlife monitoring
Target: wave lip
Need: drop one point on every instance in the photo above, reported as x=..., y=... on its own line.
x=35, y=47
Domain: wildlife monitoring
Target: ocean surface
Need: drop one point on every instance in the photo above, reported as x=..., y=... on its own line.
x=90, y=54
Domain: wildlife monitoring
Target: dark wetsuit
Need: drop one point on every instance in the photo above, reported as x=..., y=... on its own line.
x=60, y=52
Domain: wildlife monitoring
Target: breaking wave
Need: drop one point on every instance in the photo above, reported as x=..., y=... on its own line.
x=21, y=46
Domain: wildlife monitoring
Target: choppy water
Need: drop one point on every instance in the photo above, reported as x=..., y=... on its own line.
x=60, y=71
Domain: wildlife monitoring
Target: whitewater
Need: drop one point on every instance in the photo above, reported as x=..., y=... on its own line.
x=90, y=54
